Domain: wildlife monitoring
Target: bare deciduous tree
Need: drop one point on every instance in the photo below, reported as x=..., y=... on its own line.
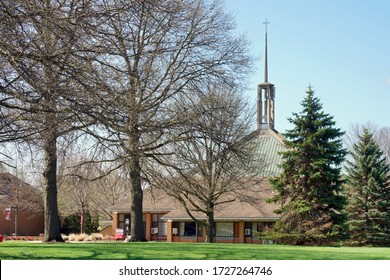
x=383, y=139
x=215, y=164
x=148, y=53
x=89, y=187
x=36, y=49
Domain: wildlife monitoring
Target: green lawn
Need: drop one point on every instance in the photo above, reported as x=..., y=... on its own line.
x=182, y=251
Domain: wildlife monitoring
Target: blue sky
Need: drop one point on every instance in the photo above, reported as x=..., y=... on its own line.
x=341, y=48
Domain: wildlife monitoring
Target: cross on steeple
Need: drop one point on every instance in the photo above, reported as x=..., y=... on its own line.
x=266, y=22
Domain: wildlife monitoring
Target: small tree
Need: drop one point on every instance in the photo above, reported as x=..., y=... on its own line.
x=369, y=193
x=310, y=188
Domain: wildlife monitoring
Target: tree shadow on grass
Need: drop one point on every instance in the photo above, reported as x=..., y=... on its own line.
x=68, y=251
x=169, y=251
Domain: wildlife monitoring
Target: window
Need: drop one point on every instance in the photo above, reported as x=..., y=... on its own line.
x=121, y=220
x=176, y=225
x=224, y=230
x=188, y=229
x=248, y=228
x=162, y=228
x=158, y=223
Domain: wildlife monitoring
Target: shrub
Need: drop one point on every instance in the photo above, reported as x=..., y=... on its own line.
x=72, y=223
x=84, y=237
x=96, y=236
x=307, y=238
x=81, y=237
x=72, y=237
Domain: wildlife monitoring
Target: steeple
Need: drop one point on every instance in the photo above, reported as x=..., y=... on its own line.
x=265, y=95
x=266, y=54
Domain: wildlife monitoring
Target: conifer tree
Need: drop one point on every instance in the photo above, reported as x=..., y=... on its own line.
x=309, y=190
x=369, y=193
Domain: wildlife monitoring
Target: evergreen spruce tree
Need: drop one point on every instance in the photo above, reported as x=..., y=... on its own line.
x=369, y=193
x=309, y=189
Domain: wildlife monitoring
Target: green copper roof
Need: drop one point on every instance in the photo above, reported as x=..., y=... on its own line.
x=267, y=145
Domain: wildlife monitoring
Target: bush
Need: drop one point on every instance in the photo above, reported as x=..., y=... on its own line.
x=72, y=237
x=21, y=238
x=308, y=239
x=72, y=223
x=96, y=236
x=82, y=237
x=78, y=237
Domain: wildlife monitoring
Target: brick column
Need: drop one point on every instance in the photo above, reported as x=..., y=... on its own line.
x=241, y=233
x=115, y=218
x=148, y=226
x=169, y=231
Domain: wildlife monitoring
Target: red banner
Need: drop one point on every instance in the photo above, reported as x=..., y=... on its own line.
x=7, y=214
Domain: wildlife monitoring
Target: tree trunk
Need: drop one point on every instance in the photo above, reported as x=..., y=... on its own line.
x=136, y=216
x=52, y=221
x=210, y=226
x=82, y=220
x=16, y=220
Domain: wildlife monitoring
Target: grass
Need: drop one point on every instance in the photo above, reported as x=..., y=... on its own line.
x=21, y=250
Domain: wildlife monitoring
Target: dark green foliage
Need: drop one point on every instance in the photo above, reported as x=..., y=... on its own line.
x=369, y=193
x=72, y=223
x=309, y=189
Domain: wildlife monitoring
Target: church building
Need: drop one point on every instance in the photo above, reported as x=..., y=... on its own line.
x=235, y=222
